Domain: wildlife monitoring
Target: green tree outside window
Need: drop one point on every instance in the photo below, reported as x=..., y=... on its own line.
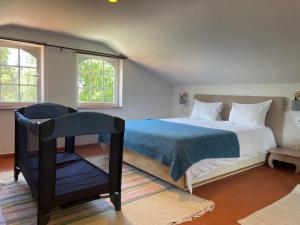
x=97, y=81
x=18, y=76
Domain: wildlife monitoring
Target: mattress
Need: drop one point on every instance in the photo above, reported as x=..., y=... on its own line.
x=252, y=140
x=73, y=174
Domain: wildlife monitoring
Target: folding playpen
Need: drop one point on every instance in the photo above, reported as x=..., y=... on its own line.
x=62, y=178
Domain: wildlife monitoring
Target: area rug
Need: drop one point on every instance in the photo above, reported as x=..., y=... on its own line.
x=286, y=211
x=146, y=200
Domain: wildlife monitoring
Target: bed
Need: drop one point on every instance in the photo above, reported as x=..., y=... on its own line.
x=254, y=143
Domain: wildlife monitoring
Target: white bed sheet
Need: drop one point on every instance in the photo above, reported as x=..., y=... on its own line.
x=252, y=140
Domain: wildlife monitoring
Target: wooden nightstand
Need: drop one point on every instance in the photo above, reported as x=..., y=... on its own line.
x=285, y=155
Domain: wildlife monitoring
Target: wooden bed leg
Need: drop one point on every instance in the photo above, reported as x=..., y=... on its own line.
x=43, y=218
x=270, y=161
x=16, y=173
x=115, y=198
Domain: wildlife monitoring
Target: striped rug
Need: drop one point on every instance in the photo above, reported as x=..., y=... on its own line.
x=18, y=206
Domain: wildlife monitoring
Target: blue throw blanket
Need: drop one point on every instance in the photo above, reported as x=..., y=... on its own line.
x=177, y=146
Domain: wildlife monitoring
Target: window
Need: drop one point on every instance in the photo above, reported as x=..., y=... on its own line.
x=20, y=71
x=99, y=81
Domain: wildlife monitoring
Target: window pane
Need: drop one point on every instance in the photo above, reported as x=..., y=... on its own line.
x=84, y=87
x=9, y=93
x=96, y=81
x=26, y=59
x=109, y=82
x=28, y=76
x=28, y=94
x=109, y=69
x=84, y=94
x=97, y=66
x=9, y=56
x=108, y=96
x=9, y=75
x=109, y=76
x=4, y=54
x=97, y=96
x=85, y=66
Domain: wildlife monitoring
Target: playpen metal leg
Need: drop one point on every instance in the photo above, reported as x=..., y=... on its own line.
x=115, y=169
x=43, y=218
x=115, y=198
x=16, y=173
x=47, y=173
x=70, y=144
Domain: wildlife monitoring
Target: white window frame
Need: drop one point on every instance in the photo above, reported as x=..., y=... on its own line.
x=118, y=65
x=40, y=71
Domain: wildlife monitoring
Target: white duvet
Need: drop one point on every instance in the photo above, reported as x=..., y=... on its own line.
x=252, y=140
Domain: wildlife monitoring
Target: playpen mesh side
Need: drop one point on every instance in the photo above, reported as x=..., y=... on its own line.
x=28, y=152
x=32, y=152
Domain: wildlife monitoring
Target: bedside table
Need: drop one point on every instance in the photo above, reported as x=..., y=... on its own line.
x=285, y=155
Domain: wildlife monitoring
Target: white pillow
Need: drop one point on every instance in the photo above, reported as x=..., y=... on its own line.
x=249, y=114
x=207, y=110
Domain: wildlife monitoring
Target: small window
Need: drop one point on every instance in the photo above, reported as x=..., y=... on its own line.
x=99, y=82
x=20, y=72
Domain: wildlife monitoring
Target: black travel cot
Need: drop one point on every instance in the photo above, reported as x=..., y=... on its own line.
x=63, y=178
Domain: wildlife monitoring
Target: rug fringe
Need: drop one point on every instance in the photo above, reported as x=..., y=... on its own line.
x=195, y=215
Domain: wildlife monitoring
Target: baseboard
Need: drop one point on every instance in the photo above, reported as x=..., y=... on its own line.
x=84, y=146
x=7, y=155
x=60, y=149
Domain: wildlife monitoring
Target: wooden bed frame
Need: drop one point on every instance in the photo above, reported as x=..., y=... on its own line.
x=274, y=120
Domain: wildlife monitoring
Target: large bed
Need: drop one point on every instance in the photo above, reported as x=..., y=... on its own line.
x=254, y=142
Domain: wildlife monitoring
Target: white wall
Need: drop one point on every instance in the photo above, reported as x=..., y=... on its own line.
x=144, y=94
x=291, y=129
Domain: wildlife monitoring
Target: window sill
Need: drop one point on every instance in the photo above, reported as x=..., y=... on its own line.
x=98, y=106
x=14, y=106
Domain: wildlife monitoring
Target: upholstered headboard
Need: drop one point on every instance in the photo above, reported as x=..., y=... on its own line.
x=275, y=116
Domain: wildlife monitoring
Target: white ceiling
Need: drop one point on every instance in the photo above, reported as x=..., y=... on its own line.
x=185, y=41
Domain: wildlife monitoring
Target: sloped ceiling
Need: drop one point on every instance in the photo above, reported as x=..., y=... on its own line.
x=184, y=41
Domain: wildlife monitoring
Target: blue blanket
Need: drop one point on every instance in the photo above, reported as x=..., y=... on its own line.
x=177, y=146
